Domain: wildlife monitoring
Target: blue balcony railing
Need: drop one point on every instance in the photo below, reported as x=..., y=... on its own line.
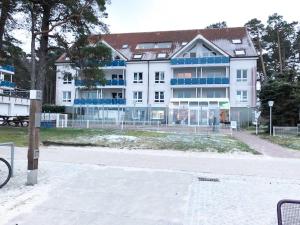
x=9, y=84
x=113, y=63
x=8, y=68
x=102, y=101
x=200, y=81
x=202, y=60
x=97, y=83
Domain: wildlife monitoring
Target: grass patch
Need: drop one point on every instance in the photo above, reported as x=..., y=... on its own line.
x=131, y=139
x=292, y=142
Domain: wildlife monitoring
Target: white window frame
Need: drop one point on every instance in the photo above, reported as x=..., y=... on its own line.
x=161, y=77
x=236, y=41
x=67, y=80
x=67, y=96
x=240, y=52
x=137, y=96
x=159, y=96
x=242, y=95
x=241, y=75
x=137, y=79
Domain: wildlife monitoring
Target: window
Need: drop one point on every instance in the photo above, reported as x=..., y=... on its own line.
x=161, y=55
x=117, y=95
x=66, y=96
x=154, y=45
x=236, y=41
x=138, y=77
x=184, y=75
x=159, y=77
x=192, y=54
x=138, y=96
x=117, y=77
x=67, y=78
x=163, y=45
x=240, y=52
x=158, y=114
x=145, y=46
x=241, y=75
x=242, y=96
x=125, y=46
x=159, y=96
x=137, y=56
x=184, y=43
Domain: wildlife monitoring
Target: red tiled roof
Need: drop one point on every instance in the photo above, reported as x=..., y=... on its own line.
x=222, y=38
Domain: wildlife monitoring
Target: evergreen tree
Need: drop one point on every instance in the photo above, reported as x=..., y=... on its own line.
x=218, y=25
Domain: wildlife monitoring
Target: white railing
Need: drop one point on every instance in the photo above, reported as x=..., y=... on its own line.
x=285, y=131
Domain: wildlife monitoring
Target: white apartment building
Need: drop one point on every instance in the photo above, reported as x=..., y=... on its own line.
x=192, y=77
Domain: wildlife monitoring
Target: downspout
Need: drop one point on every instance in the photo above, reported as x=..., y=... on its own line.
x=148, y=83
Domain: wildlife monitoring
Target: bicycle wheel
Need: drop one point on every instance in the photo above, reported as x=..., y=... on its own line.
x=5, y=172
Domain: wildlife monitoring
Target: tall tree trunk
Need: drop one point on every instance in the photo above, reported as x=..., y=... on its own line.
x=279, y=51
x=4, y=15
x=43, y=51
x=261, y=57
x=33, y=58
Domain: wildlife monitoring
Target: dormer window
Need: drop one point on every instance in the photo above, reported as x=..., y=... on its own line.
x=117, y=57
x=236, y=41
x=184, y=43
x=125, y=46
x=137, y=56
x=161, y=55
x=192, y=54
x=240, y=52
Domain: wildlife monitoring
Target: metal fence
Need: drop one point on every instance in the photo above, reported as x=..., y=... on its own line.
x=147, y=125
x=288, y=212
x=286, y=131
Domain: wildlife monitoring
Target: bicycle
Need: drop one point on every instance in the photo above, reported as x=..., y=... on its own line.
x=5, y=172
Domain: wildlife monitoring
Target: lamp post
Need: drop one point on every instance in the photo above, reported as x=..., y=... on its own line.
x=270, y=103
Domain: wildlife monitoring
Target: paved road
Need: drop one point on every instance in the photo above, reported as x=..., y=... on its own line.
x=100, y=186
x=265, y=147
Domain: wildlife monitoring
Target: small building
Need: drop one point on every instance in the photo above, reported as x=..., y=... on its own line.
x=191, y=77
x=13, y=102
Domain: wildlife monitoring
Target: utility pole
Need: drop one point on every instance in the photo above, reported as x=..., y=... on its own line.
x=34, y=136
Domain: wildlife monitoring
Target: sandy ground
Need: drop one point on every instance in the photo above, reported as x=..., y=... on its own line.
x=112, y=186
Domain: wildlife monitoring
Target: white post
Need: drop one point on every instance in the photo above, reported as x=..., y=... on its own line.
x=66, y=120
x=57, y=120
x=87, y=124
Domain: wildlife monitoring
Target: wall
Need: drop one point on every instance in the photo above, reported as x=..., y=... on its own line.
x=249, y=85
x=10, y=106
x=61, y=87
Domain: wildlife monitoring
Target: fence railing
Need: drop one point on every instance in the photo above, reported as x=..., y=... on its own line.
x=201, y=60
x=285, y=131
x=204, y=80
x=100, y=101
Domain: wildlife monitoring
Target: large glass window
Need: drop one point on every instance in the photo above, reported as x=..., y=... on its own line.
x=138, y=96
x=159, y=96
x=67, y=78
x=66, y=96
x=138, y=77
x=241, y=75
x=242, y=96
x=159, y=77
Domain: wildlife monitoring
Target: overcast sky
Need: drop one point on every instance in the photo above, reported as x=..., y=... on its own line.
x=157, y=15
x=152, y=15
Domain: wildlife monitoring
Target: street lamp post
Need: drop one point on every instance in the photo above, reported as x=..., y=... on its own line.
x=270, y=103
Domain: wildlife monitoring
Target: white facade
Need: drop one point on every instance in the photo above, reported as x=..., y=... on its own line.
x=197, y=77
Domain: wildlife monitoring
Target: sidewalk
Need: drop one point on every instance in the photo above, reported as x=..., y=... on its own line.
x=265, y=147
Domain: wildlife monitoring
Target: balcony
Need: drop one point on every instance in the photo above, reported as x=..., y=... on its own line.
x=201, y=60
x=104, y=64
x=7, y=68
x=103, y=101
x=8, y=84
x=97, y=83
x=200, y=81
